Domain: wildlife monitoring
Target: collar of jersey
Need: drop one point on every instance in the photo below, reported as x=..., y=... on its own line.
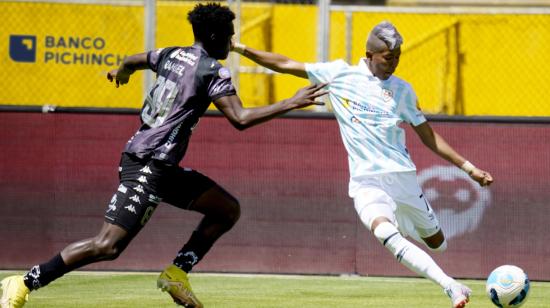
x=363, y=67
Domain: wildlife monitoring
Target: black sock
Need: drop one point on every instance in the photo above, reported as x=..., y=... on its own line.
x=40, y=275
x=192, y=252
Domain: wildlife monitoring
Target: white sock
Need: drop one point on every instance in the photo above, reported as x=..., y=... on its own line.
x=410, y=255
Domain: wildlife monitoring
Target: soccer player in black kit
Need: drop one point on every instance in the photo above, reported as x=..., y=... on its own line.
x=188, y=80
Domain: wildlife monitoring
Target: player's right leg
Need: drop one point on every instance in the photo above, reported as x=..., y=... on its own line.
x=191, y=190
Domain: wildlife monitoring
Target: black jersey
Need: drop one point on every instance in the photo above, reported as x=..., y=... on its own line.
x=188, y=80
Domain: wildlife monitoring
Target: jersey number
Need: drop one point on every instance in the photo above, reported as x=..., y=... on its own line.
x=159, y=102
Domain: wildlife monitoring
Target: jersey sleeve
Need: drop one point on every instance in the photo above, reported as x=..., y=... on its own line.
x=154, y=57
x=221, y=84
x=410, y=110
x=324, y=71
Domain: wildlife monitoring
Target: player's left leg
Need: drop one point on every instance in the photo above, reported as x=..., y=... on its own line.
x=378, y=211
x=419, y=220
x=196, y=192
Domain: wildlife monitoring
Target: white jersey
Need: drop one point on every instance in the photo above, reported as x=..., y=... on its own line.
x=369, y=112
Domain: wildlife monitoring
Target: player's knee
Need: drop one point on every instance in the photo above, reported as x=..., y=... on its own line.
x=106, y=249
x=441, y=248
x=233, y=211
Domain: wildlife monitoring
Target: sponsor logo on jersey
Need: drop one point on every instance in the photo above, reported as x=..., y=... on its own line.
x=346, y=103
x=184, y=56
x=364, y=107
x=142, y=179
x=170, y=144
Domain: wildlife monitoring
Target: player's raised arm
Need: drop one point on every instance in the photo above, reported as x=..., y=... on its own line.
x=438, y=145
x=130, y=64
x=242, y=118
x=273, y=61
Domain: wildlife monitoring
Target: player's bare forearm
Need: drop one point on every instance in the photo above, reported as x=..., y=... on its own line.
x=445, y=151
x=248, y=117
x=130, y=64
x=273, y=61
x=243, y=118
x=439, y=145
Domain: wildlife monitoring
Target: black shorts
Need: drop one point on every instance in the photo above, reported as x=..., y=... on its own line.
x=145, y=183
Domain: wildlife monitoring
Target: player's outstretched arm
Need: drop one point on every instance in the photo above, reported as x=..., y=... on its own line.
x=243, y=118
x=130, y=64
x=438, y=145
x=273, y=61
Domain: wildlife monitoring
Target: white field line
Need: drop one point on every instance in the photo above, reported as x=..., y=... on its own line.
x=248, y=275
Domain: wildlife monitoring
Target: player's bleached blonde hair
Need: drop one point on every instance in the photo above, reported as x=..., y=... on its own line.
x=384, y=35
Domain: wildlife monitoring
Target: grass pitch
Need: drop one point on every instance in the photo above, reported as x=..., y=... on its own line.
x=123, y=290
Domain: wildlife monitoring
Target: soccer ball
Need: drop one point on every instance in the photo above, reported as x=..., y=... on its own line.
x=507, y=286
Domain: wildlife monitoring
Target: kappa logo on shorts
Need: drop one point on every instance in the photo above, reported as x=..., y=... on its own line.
x=112, y=204
x=139, y=189
x=135, y=198
x=146, y=170
x=142, y=179
x=131, y=208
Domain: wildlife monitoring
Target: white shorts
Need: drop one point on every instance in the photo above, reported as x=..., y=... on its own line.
x=398, y=197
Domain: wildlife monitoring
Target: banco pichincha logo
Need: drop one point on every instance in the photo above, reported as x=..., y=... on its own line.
x=23, y=48
x=62, y=50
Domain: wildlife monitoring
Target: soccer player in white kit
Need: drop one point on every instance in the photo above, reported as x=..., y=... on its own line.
x=370, y=104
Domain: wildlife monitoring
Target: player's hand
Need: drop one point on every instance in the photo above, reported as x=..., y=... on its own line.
x=306, y=96
x=121, y=77
x=484, y=178
x=237, y=47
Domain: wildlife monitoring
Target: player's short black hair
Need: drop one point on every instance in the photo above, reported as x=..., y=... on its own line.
x=209, y=18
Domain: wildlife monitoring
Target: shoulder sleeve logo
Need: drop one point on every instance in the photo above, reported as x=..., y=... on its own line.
x=224, y=73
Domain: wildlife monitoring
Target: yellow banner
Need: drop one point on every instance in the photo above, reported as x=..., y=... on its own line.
x=59, y=54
